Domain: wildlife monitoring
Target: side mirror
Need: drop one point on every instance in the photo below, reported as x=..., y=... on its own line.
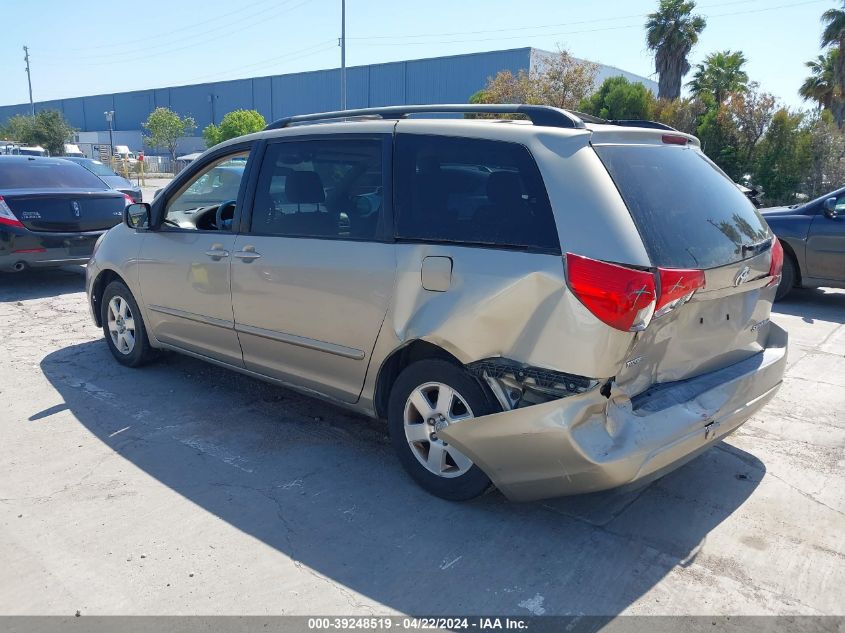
x=137, y=216
x=830, y=208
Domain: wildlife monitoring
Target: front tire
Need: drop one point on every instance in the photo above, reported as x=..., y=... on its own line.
x=124, y=327
x=427, y=396
x=787, y=279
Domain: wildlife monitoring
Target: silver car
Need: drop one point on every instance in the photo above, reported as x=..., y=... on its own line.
x=550, y=306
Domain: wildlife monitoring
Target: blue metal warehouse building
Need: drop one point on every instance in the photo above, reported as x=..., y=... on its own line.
x=436, y=80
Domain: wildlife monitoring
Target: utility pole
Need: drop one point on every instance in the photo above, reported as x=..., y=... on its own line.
x=28, y=79
x=110, y=118
x=343, y=54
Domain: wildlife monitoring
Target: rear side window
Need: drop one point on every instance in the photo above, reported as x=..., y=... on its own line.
x=688, y=212
x=320, y=188
x=471, y=191
x=36, y=174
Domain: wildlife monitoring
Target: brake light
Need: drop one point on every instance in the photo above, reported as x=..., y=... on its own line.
x=674, y=139
x=624, y=298
x=677, y=286
x=127, y=200
x=776, y=266
x=7, y=217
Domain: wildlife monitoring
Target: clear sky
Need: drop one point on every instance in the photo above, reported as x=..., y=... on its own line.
x=88, y=47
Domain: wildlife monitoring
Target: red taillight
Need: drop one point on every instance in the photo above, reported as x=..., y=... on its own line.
x=622, y=297
x=7, y=217
x=674, y=139
x=627, y=298
x=30, y=250
x=776, y=266
x=676, y=287
x=127, y=200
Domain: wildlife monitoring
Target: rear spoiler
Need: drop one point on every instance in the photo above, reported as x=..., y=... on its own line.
x=654, y=125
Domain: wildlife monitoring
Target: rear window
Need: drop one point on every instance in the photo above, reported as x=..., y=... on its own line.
x=36, y=174
x=471, y=191
x=96, y=167
x=688, y=212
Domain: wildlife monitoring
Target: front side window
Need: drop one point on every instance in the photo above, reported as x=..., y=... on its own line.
x=320, y=188
x=472, y=191
x=196, y=205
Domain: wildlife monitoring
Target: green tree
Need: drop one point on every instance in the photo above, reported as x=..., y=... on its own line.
x=682, y=114
x=783, y=157
x=47, y=128
x=618, y=98
x=719, y=136
x=558, y=80
x=826, y=169
x=752, y=111
x=721, y=74
x=164, y=129
x=820, y=86
x=834, y=35
x=671, y=32
x=234, y=124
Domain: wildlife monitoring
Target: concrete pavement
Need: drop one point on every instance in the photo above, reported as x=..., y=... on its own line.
x=182, y=488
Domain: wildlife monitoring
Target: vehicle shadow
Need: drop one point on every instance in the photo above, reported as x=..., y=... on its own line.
x=813, y=304
x=321, y=486
x=37, y=284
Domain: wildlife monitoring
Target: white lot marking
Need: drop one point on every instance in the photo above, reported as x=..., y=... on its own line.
x=534, y=605
x=445, y=565
x=125, y=428
x=204, y=446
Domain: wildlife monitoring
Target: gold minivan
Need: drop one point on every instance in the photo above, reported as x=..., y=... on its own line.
x=552, y=304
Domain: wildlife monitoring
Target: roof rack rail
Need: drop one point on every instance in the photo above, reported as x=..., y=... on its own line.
x=538, y=114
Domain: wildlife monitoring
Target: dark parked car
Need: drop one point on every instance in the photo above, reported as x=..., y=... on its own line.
x=107, y=175
x=52, y=212
x=813, y=238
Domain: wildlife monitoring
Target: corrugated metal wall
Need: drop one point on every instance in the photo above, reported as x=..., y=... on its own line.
x=438, y=80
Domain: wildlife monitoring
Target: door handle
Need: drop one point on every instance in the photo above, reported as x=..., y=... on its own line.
x=217, y=251
x=247, y=254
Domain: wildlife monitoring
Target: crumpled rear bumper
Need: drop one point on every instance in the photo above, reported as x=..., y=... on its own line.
x=588, y=442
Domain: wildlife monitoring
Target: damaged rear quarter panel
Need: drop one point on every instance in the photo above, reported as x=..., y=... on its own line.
x=502, y=304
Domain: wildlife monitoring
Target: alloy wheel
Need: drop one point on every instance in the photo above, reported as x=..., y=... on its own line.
x=121, y=324
x=429, y=409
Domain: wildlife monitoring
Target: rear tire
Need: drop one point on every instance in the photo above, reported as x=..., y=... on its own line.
x=124, y=327
x=427, y=395
x=787, y=279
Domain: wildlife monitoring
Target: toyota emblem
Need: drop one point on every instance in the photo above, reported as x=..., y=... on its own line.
x=742, y=275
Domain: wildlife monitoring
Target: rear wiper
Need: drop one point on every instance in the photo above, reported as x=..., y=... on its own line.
x=756, y=247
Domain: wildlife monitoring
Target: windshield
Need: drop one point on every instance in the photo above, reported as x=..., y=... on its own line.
x=35, y=174
x=688, y=212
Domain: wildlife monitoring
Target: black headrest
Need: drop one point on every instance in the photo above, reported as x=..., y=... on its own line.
x=504, y=188
x=304, y=187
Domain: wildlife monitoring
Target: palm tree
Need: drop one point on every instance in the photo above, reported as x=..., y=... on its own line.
x=820, y=86
x=671, y=32
x=721, y=74
x=834, y=35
